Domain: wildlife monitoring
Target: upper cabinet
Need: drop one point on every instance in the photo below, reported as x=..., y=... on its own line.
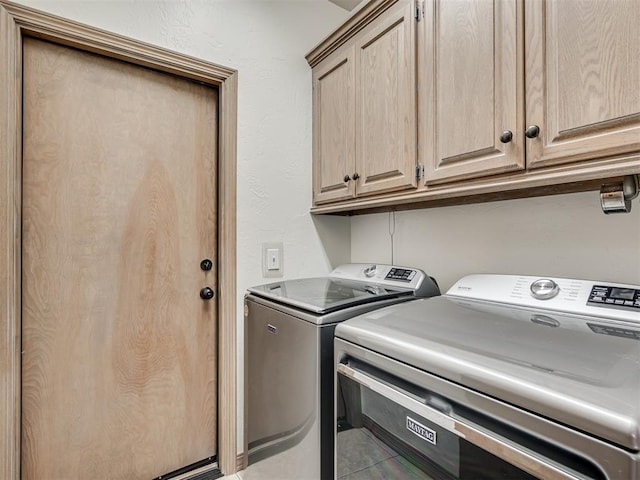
x=572, y=75
x=386, y=103
x=479, y=97
x=334, y=156
x=364, y=103
x=582, y=79
x=470, y=80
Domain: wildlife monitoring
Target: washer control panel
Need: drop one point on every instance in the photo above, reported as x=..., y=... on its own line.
x=380, y=274
x=401, y=274
x=580, y=297
x=615, y=297
x=388, y=276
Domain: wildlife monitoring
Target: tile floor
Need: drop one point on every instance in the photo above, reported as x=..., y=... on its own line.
x=367, y=458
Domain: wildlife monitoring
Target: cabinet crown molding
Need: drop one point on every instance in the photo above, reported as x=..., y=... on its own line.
x=348, y=29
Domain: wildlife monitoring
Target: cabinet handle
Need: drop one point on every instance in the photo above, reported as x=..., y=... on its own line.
x=346, y=178
x=532, y=131
x=356, y=176
x=506, y=136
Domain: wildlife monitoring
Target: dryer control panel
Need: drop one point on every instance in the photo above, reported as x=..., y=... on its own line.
x=580, y=297
x=615, y=297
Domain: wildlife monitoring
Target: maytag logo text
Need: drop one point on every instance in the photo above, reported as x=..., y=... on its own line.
x=420, y=430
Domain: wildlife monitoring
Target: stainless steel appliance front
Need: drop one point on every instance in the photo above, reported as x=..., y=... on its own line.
x=397, y=423
x=480, y=383
x=289, y=362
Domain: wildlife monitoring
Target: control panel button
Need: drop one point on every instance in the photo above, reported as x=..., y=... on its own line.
x=544, y=289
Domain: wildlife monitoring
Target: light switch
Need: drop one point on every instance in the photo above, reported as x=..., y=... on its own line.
x=273, y=259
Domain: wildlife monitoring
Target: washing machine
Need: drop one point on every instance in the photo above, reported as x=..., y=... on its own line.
x=289, y=387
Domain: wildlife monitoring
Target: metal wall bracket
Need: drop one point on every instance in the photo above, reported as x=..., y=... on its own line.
x=616, y=197
x=419, y=11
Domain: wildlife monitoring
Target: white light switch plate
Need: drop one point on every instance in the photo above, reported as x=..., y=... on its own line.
x=272, y=260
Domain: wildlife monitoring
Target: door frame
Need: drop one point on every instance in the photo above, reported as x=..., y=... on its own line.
x=16, y=22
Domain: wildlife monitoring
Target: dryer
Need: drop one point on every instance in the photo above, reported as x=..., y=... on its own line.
x=504, y=376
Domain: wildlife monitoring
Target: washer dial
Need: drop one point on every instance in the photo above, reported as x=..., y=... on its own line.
x=370, y=271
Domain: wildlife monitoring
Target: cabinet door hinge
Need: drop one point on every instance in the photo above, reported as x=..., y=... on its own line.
x=419, y=12
x=419, y=171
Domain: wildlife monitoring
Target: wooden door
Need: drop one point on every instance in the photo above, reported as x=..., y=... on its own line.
x=582, y=80
x=334, y=127
x=119, y=208
x=470, y=88
x=385, y=102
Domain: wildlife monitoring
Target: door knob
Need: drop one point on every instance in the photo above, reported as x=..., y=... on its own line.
x=506, y=136
x=532, y=131
x=206, y=293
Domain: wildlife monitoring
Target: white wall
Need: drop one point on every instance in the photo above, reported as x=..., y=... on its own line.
x=561, y=235
x=266, y=42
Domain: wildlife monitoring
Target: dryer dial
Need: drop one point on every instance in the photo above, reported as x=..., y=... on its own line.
x=544, y=289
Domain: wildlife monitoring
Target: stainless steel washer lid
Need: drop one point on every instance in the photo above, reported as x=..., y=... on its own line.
x=324, y=295
x=572, y=369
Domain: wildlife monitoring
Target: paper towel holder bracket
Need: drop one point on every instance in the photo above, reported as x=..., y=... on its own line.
x=616, y=197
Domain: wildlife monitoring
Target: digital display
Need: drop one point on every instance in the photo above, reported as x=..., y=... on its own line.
x=400, y=274
x=622, y=293
x=615, y=297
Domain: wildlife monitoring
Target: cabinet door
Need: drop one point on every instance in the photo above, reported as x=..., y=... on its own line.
x=582, y=80
x=385, y=103
x=470, y=88
x=334, y=127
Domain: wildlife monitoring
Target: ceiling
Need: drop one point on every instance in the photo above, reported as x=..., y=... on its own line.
x=346, y=4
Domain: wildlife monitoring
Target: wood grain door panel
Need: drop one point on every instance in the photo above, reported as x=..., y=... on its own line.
x=385, y=103
x=119, y=207
x=470, y=73
x=582, y=80
x=334, y=127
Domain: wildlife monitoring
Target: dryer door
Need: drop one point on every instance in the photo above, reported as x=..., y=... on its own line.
x=391, y=429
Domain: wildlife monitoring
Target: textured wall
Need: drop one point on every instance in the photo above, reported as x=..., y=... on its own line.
x=562, y=235
x=266, y=42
